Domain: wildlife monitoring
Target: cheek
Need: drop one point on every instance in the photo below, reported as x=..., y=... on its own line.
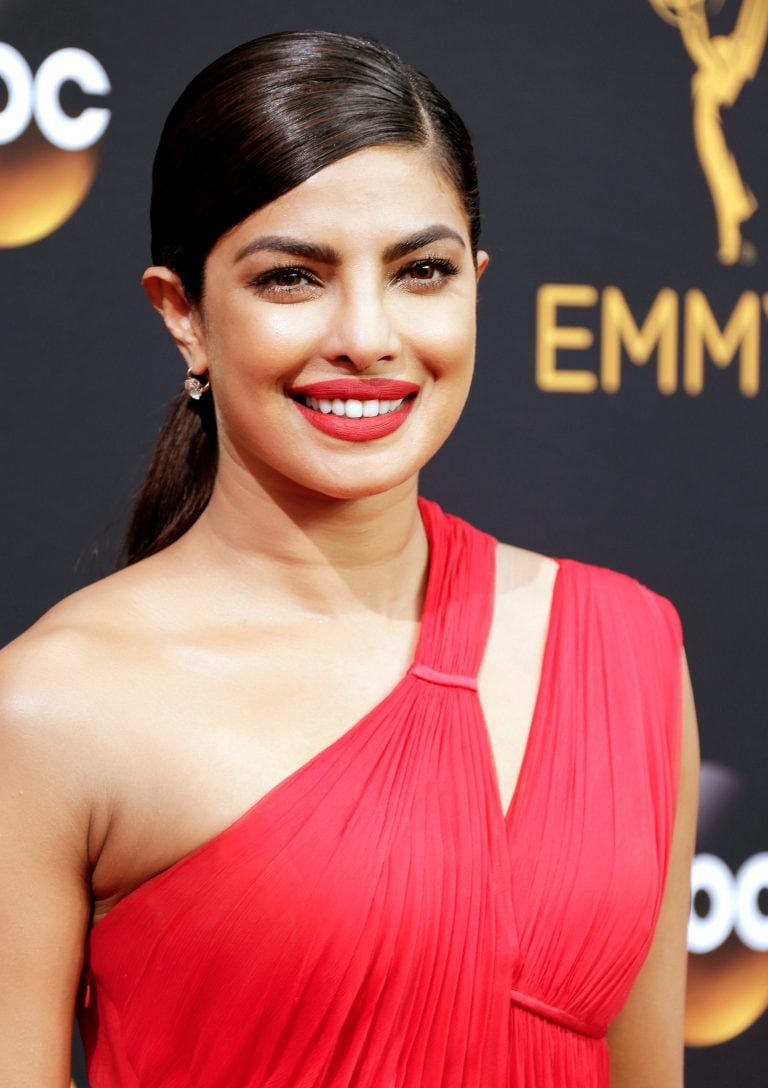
x=288, y=328
x=446, y=340
x=258, y=344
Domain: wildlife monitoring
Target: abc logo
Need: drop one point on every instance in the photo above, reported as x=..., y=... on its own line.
x=728, y=928
x=48, y=157
x=734, y=905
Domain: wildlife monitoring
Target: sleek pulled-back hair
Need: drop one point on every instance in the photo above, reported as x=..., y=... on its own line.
x=251, y=126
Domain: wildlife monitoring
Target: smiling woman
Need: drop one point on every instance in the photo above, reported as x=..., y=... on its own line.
x=344, y=281
x=326, y=788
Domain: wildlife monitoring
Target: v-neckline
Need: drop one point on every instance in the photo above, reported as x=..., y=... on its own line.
x=509, y=813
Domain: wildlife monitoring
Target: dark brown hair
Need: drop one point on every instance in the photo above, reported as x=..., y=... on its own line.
x=251, y=126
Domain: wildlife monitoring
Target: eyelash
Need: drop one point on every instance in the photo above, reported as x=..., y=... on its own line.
x=266, y=280
x=442, y=265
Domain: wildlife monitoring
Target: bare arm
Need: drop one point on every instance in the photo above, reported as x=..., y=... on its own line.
x=646, y=1039
x=44, y=890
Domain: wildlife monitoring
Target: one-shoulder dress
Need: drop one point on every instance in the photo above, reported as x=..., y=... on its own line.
x=377, y=920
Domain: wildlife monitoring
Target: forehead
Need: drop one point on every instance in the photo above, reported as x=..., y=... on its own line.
x=373, y=194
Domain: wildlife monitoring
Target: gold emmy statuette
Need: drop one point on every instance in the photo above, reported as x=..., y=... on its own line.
x=724, y=63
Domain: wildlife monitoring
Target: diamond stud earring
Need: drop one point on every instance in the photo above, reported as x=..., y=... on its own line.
x=194, y=386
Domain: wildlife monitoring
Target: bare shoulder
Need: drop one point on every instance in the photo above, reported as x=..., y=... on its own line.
x=60, y=686
x=73, y=660
x=69, y=646
x=59, y=764
x=89, y=626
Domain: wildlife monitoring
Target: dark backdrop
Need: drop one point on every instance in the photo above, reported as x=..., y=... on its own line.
x=582, y=117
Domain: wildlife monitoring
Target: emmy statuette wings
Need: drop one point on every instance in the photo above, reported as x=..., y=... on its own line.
x=724, y=63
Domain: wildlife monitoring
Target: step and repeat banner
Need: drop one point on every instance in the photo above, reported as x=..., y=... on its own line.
x=618, y=414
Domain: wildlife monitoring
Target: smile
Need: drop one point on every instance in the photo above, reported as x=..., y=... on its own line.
x=354, y=420
x=356, y=409
x=352, y=408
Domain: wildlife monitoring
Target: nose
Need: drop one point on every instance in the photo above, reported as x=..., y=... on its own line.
x=362, y=330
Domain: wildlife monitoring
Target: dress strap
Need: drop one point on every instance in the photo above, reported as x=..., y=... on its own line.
x=557, y=1016
x=444, y=679
x=458, y=606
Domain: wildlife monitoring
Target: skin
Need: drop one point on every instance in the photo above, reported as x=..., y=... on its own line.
x=191, y=679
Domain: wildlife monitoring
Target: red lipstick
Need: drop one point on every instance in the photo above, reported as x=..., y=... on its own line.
x=357, y=389
x=359, y=428
x=365, y=429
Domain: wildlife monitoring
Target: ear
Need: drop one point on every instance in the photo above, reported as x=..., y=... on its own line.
x=481, y=263
x=182, y=319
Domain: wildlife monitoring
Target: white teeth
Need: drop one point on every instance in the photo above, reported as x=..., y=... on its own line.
x=353, y=409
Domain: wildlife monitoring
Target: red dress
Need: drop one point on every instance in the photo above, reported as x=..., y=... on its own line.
x=376, y=920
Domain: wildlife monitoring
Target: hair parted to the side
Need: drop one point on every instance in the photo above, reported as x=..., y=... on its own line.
x=250, y=127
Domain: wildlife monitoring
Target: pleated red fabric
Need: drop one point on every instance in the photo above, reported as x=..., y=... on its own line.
x=376, y=920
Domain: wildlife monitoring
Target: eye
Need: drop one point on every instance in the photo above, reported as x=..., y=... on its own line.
x=424, y=271
x=286, y=277
x=285, y=280
x=428, y=271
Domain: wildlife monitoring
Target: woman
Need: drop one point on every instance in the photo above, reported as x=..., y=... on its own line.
x=250, y=889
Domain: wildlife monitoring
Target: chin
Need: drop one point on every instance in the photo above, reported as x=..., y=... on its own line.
x=351, y=485
x=350, y=492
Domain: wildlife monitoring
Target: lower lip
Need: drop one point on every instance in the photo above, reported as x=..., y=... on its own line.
x=364, y=429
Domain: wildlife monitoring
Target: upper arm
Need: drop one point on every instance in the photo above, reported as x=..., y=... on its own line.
x=44, y=891
x=646, y=1038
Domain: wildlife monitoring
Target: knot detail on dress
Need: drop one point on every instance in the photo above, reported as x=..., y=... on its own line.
x=555, y=1015
x=445, y=679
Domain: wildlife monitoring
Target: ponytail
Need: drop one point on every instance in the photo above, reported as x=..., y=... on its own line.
x=250, y=127
x=179, y=481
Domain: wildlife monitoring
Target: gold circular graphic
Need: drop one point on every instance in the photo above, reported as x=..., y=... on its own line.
x=41, y=186
x=727, y=992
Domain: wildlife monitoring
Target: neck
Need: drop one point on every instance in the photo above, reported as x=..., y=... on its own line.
x=312, y=553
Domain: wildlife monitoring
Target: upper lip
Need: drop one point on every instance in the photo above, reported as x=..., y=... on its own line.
x=357, y=389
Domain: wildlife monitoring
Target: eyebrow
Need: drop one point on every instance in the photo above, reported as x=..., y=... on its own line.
x=309, y=251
